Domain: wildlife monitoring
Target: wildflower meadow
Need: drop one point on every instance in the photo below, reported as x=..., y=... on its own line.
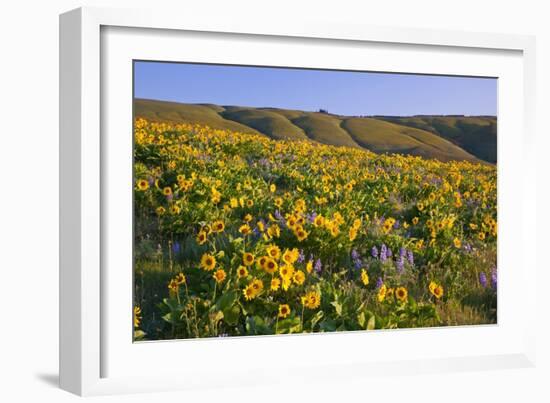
x=237, y=234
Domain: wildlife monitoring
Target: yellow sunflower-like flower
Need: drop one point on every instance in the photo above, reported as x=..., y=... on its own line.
x=257, y=285
x=272, y=188
x=364, y=277
x=218, y=226
x=273, y=251
x=180, y=278
x=275, y=284
x=142, y=185
x=312, y=300
x=242, y=271
x=262, y=261
x=457, y=243
x=301, y=234
x=436, y=289
x=432, y=286
x=249, y=292
x=318, y=221
x=299, y=277
x=208, y=262
x=286, y=271
x=382, y=293
x=274, y=231
x=401, y=294
x=284, y=311
x=270, y=266
x=173, y=287
x=167, y=191
x=201, y=237
x=309, y=266
x=245, y=229
x=219, y=275
x=137, y=315
x=248, y=259
x=291, y=255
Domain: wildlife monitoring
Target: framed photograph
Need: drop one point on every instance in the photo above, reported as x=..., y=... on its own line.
x=242, y=202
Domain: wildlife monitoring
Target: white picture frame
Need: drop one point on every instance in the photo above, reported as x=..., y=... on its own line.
x=86, y=340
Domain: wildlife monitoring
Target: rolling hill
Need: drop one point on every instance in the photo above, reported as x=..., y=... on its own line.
x=477, y=134
x=440, y=137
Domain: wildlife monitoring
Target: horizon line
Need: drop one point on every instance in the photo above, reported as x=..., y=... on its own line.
x=319, y=110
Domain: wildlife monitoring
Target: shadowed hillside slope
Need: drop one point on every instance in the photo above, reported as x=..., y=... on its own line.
x=475, y=134
x=385, y=137
x=440, y=137
x=267, y=122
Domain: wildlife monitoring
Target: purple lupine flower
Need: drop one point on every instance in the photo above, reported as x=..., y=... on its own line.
x=374, y=252
x=483, y=279
x=389, y=253
x=468, y=247
x=301, y=257
x=278, y=215
x=170, y=197
x=396, y=225
x=355, y=254
x=379, y=282
x=151, y=180
x=383, y=253
x=410, y=257
x=402, y=252
x=400, y=264
x=494, y=277
x=318, y=266
x=311, y=217
x=176, y=248
x=358, y=263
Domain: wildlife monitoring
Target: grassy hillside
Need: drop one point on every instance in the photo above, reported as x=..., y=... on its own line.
x=173, y=112
x=477, y=135
x=385, y=137
x=442, y=138
x=325, y=129
x=265, y=121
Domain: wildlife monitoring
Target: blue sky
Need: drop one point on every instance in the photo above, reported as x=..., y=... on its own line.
x=340, y=92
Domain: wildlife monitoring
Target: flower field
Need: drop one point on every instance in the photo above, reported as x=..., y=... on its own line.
x=237, y=234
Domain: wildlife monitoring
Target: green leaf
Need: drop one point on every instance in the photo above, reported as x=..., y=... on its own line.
x=171, y=303
x=169, y=318
x=371, y=325
x=361, y=319
x=139, y=335
x=337, y=306
x=250, y=325
x=290, y=325
x=231, y=315
x=316, y=318
x=328, y=325
x=227, y=300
